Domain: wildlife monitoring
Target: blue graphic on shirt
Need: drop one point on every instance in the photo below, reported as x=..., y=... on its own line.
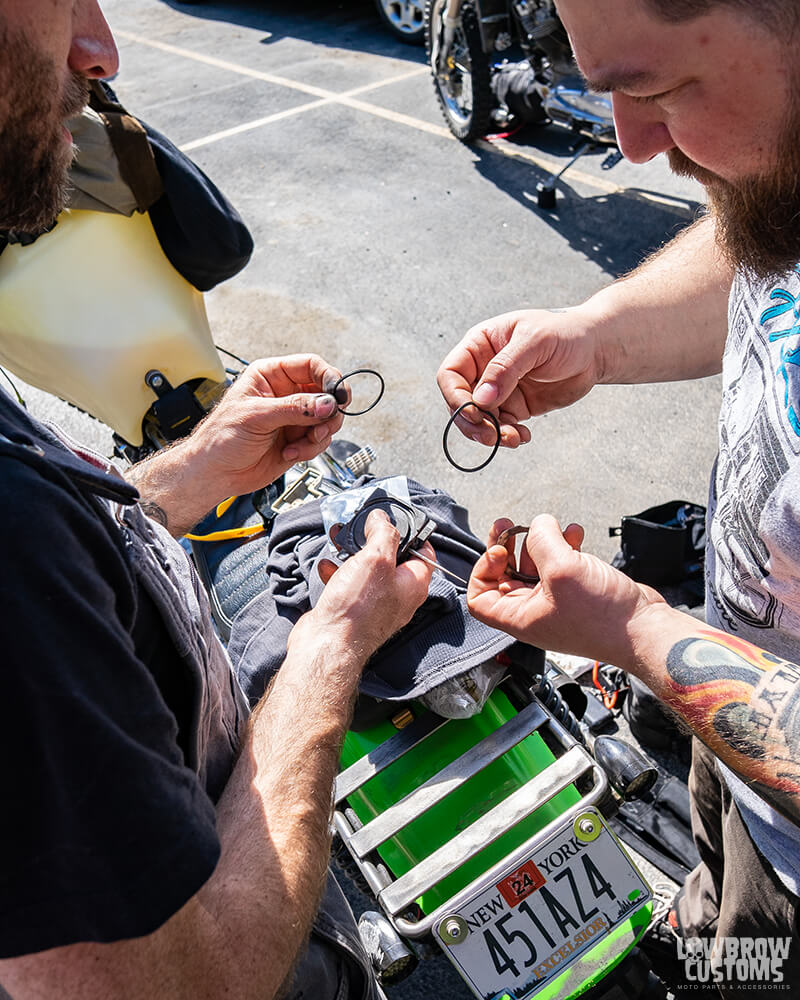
x=789, y=355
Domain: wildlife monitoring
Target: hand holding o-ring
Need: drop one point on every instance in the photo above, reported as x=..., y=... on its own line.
x=451, y=421
x=502, y=538
x=340, y=395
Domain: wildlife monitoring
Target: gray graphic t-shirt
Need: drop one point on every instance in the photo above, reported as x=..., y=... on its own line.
x=753, y=557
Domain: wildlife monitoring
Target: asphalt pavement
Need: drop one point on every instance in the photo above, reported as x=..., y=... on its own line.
x=380, y=240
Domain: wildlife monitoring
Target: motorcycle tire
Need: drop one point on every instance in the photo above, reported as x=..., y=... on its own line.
x=463, y=87
x=404, y=18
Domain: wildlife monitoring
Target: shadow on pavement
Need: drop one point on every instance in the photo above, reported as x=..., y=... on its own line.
x=614, y=230
x=351, y=25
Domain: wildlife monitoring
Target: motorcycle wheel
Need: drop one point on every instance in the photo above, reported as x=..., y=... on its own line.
x=463, y=84
x=404, y=18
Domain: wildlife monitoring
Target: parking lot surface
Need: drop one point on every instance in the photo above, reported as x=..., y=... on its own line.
x=380, y=240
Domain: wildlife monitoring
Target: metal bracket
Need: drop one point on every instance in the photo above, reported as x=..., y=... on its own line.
x=396, y=896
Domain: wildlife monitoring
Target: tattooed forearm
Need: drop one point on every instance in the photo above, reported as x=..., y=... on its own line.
x=745, y=704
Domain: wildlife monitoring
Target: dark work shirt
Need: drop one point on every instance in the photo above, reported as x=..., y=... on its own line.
x=105, y=832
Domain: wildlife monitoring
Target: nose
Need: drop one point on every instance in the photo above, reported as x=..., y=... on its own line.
x=641, y=131
x=93, y=52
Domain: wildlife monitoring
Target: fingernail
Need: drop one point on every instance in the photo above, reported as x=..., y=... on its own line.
x=319, y=434
x=324, y=406
x=485, y=394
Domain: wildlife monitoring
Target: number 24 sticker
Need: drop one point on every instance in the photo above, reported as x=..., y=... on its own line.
x=521, y=883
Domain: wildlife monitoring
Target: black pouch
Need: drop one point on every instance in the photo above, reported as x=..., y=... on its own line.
x=663, y=545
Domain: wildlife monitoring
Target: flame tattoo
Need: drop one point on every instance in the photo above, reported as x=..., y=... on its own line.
x=745, y=704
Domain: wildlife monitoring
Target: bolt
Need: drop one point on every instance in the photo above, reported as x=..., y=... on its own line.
x=156, y=381
x=453, y=928
x=586, y=826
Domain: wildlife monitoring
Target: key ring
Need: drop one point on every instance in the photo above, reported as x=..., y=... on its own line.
x=502, y=538
x=451, y=421
x=359, y=371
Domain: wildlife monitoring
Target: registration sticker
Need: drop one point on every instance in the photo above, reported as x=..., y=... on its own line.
x=516, y=934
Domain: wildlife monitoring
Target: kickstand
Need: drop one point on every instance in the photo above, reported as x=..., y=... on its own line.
x=546, y=190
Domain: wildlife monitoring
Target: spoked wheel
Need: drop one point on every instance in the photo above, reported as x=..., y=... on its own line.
x=462, y=75
x=404, y=18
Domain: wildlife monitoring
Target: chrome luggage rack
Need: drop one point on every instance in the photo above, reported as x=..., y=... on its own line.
x=397, y=895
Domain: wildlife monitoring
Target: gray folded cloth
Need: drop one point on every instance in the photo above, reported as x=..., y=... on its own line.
x=441, y=641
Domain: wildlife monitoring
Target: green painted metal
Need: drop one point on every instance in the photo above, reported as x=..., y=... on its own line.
x=467, y=803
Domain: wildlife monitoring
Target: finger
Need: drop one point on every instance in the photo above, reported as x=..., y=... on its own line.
x=574, y=534
x=303, y=450
x=500, y=525
x=518, y=357
x=476, y=426
x=458, y=373
x=488, y=571
x=326, y=568
x=381, y=535
x=308, y=370
x=546, y=544
x=512, y=423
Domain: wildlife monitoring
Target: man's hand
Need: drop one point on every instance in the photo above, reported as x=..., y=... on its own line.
x=275, y=414
x=369, y=597
x=519, y=365
x=581, y=605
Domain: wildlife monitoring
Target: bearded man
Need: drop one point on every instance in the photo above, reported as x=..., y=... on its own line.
x=714, y=84
x=155, y=842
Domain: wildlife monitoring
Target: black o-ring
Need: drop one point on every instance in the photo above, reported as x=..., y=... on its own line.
x=358, y=371
x=451, y=421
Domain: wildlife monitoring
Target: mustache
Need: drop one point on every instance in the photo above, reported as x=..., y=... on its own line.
x=683, y=166
x=75, y=97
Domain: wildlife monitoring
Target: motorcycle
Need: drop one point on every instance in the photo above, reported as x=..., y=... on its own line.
x=484, y=837
x=480, y=89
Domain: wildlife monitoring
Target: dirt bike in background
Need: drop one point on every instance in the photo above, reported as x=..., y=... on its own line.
x=481, y=834
x=498, y=64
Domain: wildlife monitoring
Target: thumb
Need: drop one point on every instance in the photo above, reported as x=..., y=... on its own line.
x=547, y=545
x=302, y=408
x=504, y=372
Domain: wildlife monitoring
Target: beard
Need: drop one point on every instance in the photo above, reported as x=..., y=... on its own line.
x=757, y=218
x=34, y=153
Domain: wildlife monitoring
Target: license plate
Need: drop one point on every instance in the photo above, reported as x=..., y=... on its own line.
x=517, y=934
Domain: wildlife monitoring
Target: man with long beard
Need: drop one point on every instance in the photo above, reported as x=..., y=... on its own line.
x=714, y=84
x=155, y=842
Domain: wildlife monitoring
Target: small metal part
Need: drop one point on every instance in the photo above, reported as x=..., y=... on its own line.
x=302, y=489
x=412, y=523
x=453, y=929
x=402, y=719
x=587, y=827
x=436, y=565
x=502, y=538
x=391, y=957
x=359, y=462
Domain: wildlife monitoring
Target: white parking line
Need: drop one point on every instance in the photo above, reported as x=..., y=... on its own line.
x=348, y=99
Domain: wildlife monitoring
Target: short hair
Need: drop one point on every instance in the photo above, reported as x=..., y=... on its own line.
x=777, y=15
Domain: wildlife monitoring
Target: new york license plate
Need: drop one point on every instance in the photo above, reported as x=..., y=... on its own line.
x=517, y=934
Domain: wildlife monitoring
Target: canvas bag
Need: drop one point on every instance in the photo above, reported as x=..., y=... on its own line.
x=663, y=545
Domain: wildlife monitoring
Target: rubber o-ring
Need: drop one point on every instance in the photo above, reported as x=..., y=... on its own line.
x=358, y=371
x=451, y=421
